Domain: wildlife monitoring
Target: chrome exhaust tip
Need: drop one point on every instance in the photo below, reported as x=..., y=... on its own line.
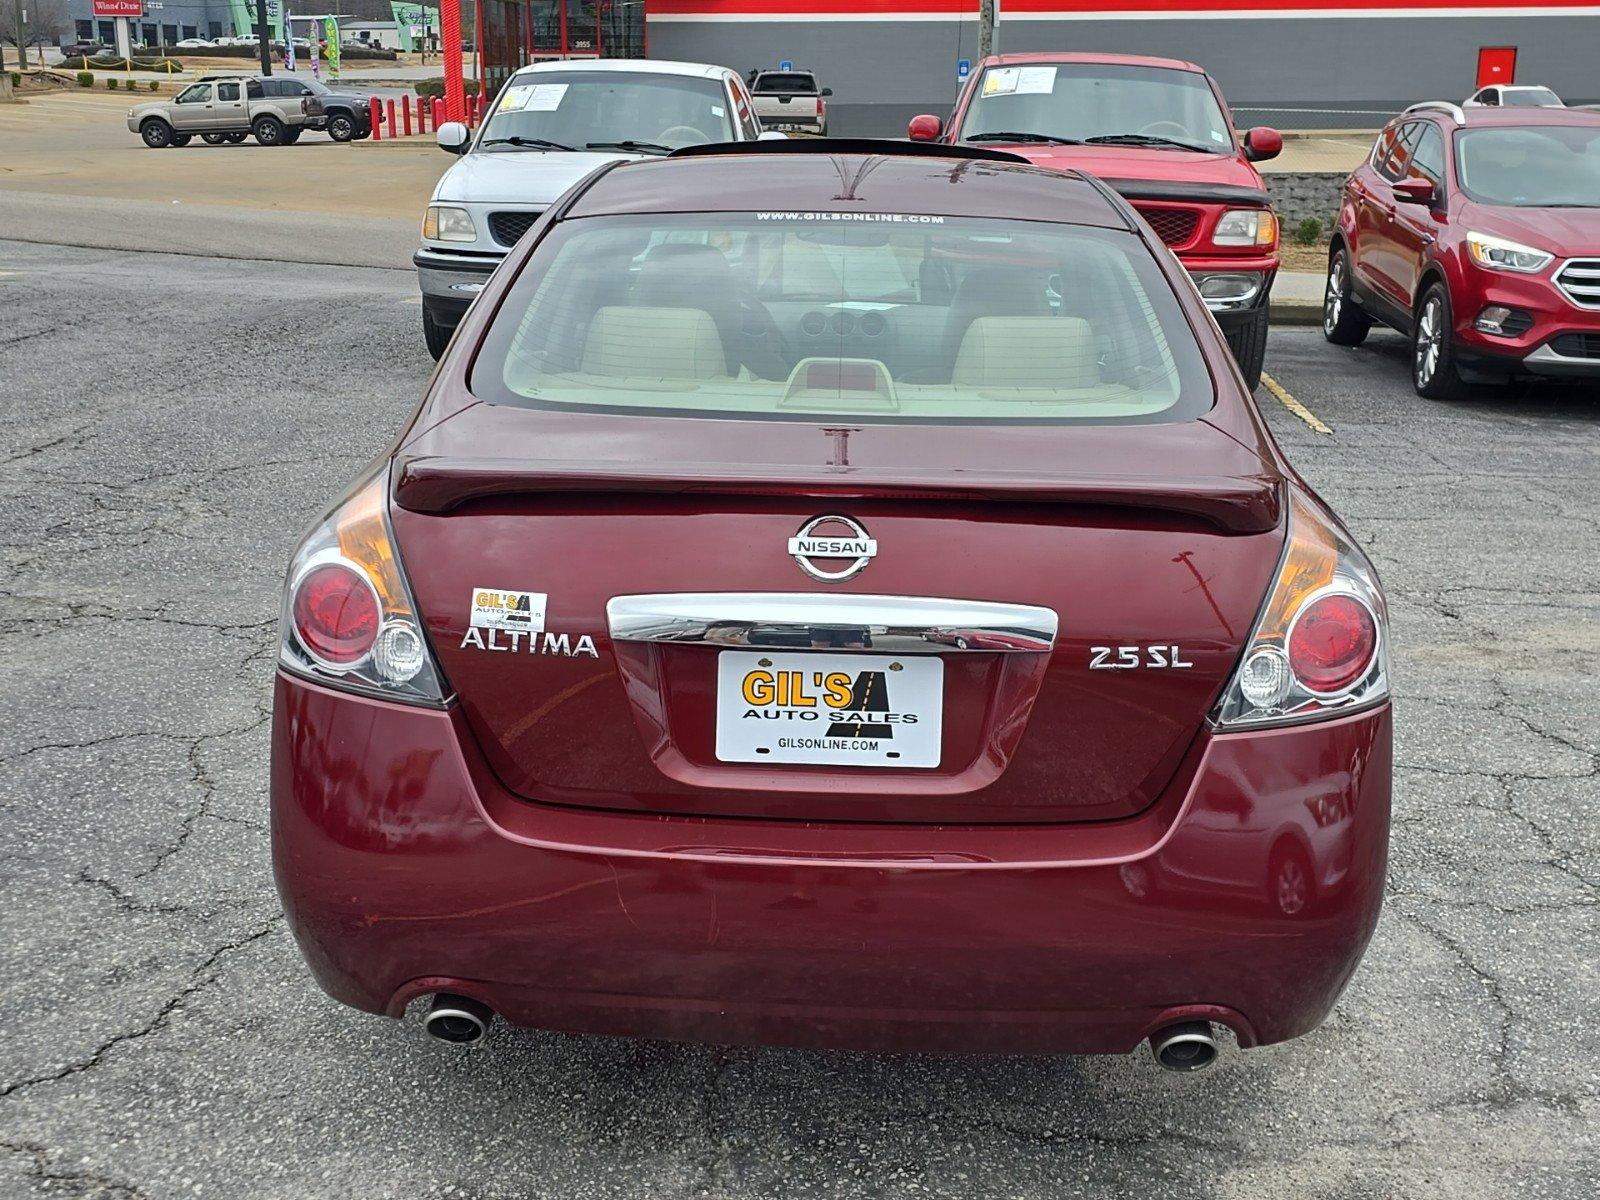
x=458, y=1019
x=1186, y=1046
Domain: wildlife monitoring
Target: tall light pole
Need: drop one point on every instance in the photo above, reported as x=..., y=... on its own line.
x=988, y=26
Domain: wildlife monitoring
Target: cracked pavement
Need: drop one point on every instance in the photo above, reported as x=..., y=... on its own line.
x=176, y=421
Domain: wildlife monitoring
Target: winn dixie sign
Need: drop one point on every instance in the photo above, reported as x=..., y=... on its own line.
x=119, y=8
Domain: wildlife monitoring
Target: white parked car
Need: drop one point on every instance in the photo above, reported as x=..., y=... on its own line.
x=550, y=126
x=1501, y=95
x=193, y=44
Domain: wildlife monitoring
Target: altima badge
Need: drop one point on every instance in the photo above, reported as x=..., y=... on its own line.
x=832, y=539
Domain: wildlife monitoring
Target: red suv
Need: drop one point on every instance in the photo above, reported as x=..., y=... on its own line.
x=1477, y=233
x=1157, y=130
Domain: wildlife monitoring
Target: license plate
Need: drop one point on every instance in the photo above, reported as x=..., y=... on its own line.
x=843, y=710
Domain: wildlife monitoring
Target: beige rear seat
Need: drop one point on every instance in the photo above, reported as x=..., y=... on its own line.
x=654, y=343
x=1055, y=353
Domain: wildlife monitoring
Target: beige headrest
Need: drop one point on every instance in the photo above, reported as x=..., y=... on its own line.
x=1028, y=352
x=654, y=343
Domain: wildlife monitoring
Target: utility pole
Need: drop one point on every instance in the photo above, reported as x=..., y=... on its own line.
x=22, y=35
x=986, y=16
x=264, y=36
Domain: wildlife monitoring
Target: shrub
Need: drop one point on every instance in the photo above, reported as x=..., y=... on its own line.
x=16, y=79
x=154, y=85
x=112, y=83
x=430, y=88
x=85, y=78
x=1308, y=231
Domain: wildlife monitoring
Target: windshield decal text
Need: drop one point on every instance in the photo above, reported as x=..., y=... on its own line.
x=872, y=218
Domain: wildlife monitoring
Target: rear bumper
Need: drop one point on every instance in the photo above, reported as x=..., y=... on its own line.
x=405, y=869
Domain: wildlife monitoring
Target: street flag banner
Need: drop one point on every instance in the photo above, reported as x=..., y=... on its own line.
x=331, y=24
x=288, y=39
x=316, y=58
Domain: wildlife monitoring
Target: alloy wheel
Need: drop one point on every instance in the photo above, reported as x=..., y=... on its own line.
x=1333, y=300
x=1430, y=340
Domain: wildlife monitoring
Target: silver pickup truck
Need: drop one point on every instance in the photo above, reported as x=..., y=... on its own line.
x=225, y=109
x=790, y=101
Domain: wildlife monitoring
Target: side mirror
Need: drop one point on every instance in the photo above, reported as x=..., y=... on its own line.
x=1414, y=191
x=925, y=127
x=827, y=91
x=453, y=137
x=1262, y=143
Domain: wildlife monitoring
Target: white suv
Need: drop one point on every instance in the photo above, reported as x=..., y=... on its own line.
x=550, y=126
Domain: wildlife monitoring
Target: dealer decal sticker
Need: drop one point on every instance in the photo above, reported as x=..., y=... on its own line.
x=496, y=609
x=513, y=623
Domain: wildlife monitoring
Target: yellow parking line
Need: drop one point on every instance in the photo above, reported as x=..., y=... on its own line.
x=1293, y=405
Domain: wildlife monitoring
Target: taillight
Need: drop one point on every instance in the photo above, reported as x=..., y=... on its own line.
x=335, y=612
x=1319, y=648
x=348, y=617
x=1332, y=642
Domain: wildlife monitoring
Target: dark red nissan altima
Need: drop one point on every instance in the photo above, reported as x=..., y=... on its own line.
x=836, y=596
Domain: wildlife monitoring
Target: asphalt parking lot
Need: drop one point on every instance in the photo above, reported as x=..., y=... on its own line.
x=177, y=420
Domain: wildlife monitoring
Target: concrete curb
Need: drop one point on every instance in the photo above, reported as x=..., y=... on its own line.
x=1296, y=312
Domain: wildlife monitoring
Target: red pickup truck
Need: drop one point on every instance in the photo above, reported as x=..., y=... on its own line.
x=1156, y=130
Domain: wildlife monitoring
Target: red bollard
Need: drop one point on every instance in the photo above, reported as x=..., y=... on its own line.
x=375, y=113
x=438, y=112
x=405, y=114
x=422, y=115
x=391, y=116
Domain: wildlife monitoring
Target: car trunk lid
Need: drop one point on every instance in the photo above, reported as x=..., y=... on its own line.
x=601, y=592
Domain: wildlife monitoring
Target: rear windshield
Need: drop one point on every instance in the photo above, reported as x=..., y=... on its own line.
x=785, y=83
x=1538, y=166
x=865, y=316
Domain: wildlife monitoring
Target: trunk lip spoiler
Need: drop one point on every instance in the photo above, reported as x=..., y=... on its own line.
x=839, y=622
x=1243, y=504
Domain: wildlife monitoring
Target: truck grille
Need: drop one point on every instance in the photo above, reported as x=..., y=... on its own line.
x=1579, y=281
x=1174, y=226
x=508, y=227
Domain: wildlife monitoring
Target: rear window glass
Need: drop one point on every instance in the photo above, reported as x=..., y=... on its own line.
x=775, y=82
x=866, y=316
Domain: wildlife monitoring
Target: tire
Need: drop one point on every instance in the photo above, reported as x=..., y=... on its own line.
x=182, y=139
x=214, y=139
x=436, y=335
x=157, y=134
x=269, y=131
x=1343, y=322
x=291, y=136
x=1249, y=345
x=341, y=127
x=1433, y=352
x=235, y=139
